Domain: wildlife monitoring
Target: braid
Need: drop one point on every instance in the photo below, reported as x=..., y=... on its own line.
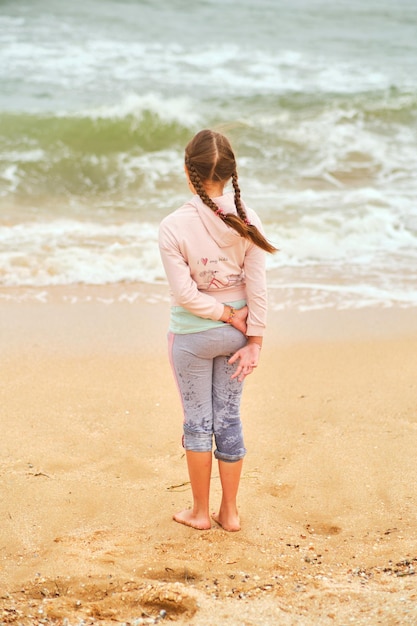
x=198, y=186
x=238, y=204
x=209, y=157
x=251, y=232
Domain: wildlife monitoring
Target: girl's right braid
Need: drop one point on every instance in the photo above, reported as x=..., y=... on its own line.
x=198, y=186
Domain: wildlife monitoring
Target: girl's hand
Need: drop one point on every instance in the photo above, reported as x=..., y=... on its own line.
x=248, y=358
x=239, y=319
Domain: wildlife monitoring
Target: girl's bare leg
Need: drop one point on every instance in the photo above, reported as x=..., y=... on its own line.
x=228, y=517
x=199, y=470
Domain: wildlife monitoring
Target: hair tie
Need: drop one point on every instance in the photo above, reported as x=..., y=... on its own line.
x=220, y=213
x=247, y=222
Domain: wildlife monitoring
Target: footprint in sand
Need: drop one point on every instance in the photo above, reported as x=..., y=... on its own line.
x=99, y=598
x=280, y=490
x=321, y=528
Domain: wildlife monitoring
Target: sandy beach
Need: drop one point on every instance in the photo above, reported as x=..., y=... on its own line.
x=92, y=470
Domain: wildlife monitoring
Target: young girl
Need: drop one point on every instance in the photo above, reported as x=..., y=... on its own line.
x=213, y=252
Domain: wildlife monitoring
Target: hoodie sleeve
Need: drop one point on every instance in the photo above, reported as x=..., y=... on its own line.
x=256, y=290
x=183, y=287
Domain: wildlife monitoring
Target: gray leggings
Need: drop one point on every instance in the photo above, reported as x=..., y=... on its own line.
x=211, y=401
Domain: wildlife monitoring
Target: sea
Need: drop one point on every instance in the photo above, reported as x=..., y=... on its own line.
x=98, y=99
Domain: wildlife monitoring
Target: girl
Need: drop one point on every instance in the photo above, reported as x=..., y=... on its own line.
x=213, y=252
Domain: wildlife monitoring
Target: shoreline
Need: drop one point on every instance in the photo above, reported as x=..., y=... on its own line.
x=284, y=325
x=92, y=469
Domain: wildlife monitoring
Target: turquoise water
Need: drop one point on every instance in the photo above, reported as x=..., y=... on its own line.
x=98, y=98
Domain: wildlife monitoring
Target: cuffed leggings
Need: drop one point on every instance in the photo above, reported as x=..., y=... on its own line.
x=210, y=399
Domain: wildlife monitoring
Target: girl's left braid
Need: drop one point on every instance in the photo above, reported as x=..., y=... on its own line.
x=238, y=204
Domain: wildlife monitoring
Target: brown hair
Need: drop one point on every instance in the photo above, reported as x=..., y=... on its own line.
x=209, y=157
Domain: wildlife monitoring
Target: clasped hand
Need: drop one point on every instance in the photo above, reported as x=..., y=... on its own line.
x=248, y=356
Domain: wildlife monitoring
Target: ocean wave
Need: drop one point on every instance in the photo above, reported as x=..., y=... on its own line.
x=341, y=142
x=64, y=252
x=94, y=152
x=124, y=149
x=310, y=228
x=371, y=255
x=98, y=99
x=62, y=55
x=100, y=66
x=146, y=123
x=135, y=106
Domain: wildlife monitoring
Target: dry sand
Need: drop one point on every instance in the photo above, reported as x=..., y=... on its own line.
x=92, y=470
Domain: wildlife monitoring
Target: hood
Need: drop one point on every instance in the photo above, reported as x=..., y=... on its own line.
x=223, y=235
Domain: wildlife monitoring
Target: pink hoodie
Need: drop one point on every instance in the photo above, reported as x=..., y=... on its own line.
x=207, y=263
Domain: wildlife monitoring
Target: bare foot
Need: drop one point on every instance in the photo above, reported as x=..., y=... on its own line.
x=188, y=518
x=231, y=523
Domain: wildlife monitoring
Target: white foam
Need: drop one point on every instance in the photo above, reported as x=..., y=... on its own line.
x=155, y=67
x=315, y=267
x=175, y=109
x=66, y=252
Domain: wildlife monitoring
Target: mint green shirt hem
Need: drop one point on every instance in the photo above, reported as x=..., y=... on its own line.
x=182, y=322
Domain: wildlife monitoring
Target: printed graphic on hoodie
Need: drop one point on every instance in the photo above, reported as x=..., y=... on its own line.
x=211, y=278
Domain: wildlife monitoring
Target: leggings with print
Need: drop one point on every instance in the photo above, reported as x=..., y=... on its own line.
x=210, y=399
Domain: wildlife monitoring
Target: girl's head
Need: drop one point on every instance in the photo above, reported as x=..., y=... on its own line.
x=209, y=159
